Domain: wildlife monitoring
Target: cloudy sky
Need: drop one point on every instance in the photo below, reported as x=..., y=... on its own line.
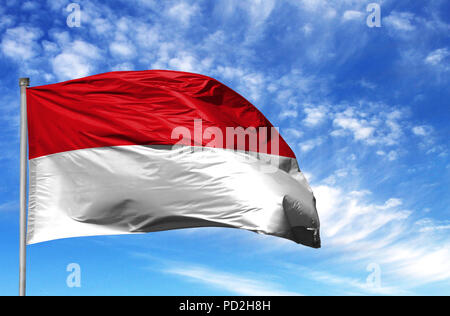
x=365, y=109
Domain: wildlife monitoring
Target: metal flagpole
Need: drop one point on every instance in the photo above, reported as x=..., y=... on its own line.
x=23, y=83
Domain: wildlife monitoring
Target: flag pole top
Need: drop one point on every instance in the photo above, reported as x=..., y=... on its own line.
x=24, y=82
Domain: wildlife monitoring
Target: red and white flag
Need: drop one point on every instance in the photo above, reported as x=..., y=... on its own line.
x=142, y=151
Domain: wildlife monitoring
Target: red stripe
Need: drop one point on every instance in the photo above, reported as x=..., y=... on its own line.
x=136, y=108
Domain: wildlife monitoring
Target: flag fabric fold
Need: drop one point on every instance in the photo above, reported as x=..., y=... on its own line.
x=143, y=151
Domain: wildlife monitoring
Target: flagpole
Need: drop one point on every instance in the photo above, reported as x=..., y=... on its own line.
x=23, y=83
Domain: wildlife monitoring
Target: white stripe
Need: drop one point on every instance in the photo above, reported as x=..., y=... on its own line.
x=132, y=189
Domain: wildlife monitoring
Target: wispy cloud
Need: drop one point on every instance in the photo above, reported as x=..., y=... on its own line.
x=310, y=144
x=383, y=234
x=9, y=206
x=371, y=125
x=437, y=56
x=345, y=284
x=400, y=21
x=352, y=15
x=230, y=282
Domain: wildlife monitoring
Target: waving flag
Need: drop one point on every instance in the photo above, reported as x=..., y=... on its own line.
x=135, y=152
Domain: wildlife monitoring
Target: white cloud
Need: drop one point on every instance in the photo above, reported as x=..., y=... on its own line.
x=393, y=202
x=255, y=11
x=352, y=15
x=422, y=130
x=310, y=5
x=250, y=84
x=20, y=43
x=430, y=225
x=375, y=125
x=338, y=174
x=100, y=25
x=122, y=49
x=57, y=5
x=293, y=86
x=232, y=283
x=254, y=84
x=420, y=260
x=185, y=61
x=6, y=21
x=346, y=219
x=288, y=114
x=146, y=36
x=70, y=66
x=230, y=73
x=307, y=29
x=400, y=21
x=259, y=10
x=366, y=84
x=360, y=128
x=391, y=156
x=381, y=233
x=437, y=56
x=314, y=115
x=78, y=59
x=123, y=67
x=50, y=48
x=292, y=133
x=349, y=283
x=182, y=12
x=311, y=144
x=29, y=5
x=435, y=228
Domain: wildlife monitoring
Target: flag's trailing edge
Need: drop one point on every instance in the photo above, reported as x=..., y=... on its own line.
x=143, y=151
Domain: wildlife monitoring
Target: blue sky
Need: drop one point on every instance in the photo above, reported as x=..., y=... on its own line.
x=366, y=111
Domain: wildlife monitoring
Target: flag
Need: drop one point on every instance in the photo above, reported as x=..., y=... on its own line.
x=143, y=151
